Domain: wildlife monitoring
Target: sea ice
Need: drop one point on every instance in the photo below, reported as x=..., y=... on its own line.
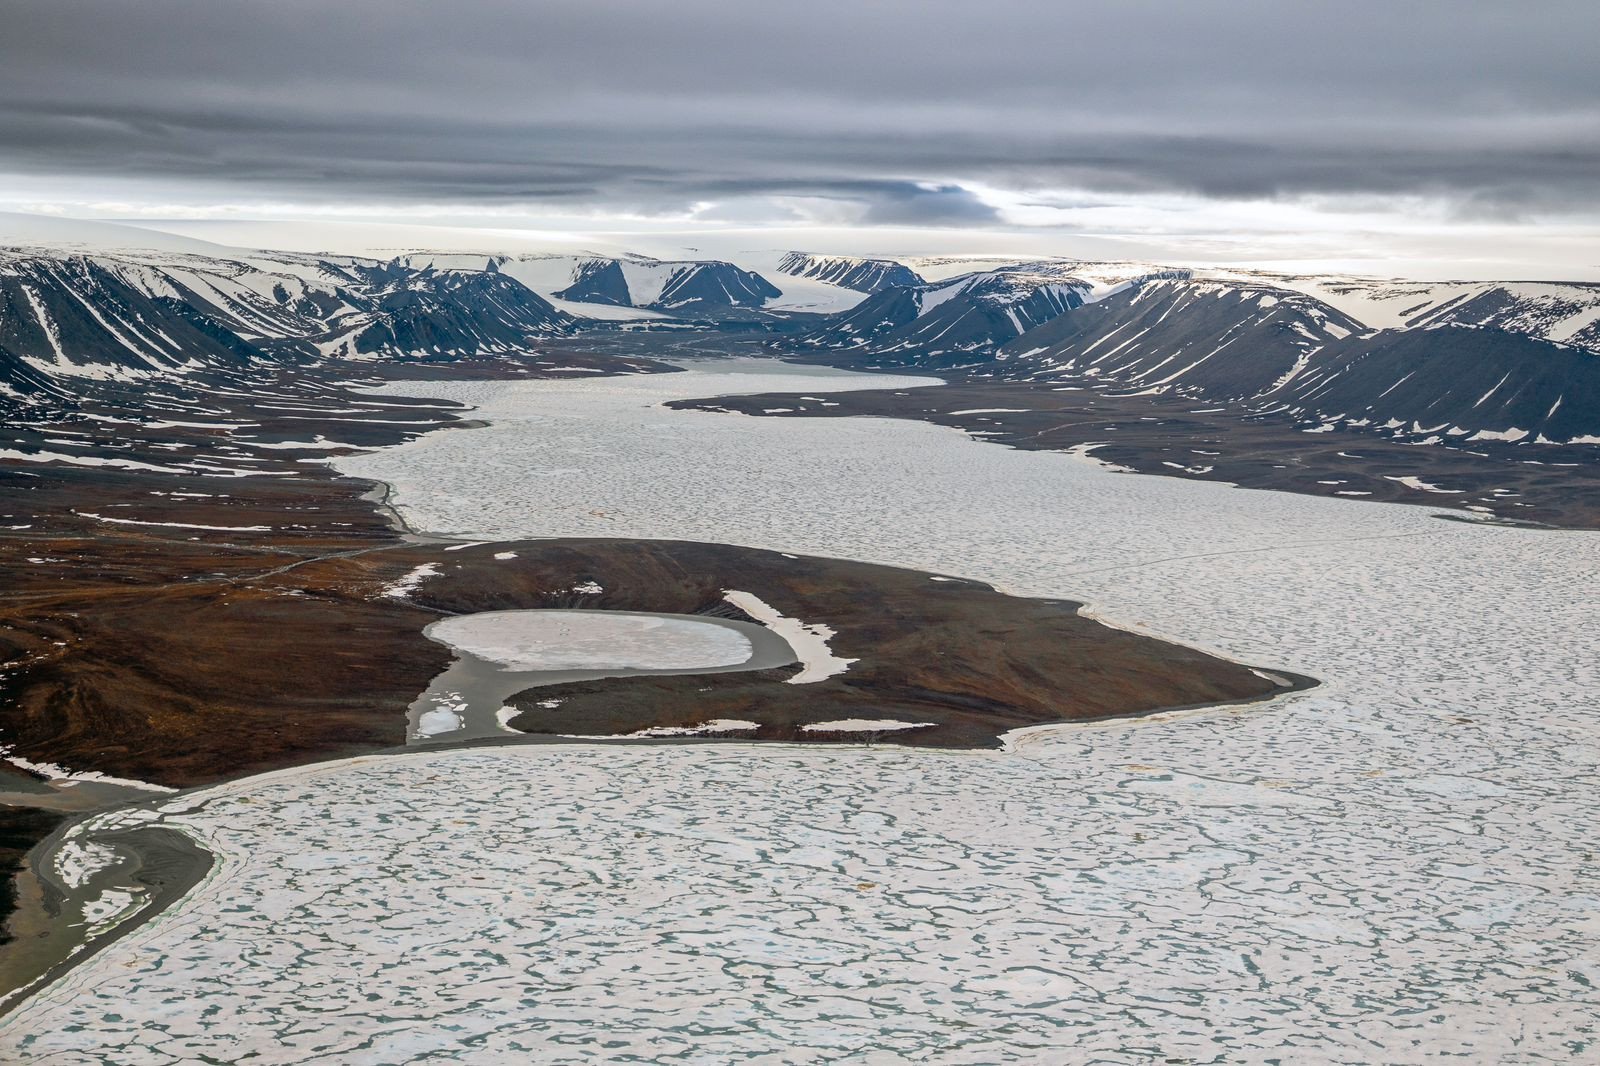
x=1396, y=866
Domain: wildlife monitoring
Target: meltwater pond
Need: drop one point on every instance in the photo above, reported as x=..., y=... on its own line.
x=1396, y=866
x=501, y=653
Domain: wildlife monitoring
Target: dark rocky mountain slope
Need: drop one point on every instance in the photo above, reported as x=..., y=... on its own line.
x=1257, y=340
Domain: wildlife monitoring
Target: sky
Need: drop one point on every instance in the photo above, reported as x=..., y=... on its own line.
x=1421, y=138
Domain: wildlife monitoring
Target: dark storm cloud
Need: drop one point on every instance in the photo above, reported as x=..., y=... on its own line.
x=892, y=105
x=937, y=205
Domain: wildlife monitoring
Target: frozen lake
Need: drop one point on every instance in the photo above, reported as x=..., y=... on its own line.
x=501, y=653
x=1396, y=866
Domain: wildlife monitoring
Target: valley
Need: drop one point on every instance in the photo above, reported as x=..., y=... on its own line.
x=1315, y=835
x=1170, y=436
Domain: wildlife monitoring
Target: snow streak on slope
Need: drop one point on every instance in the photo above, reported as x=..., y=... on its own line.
x=1567, y=313
x=133, y=314
x=963, y=320
x=1295, y=345
x=1176, y=333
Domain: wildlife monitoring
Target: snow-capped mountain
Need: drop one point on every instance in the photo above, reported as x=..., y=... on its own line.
x=1278, y=349
x=587, y=285
x=113, y=317
x=1450, y=383
x=1447, y=361
x=1563, y=312
x=133, y=313
x=98, y=300
x=848, y=271
x=963, y=320
x=672, y=287
x=1234, y=341
x=441, y=314
x=1423, y=361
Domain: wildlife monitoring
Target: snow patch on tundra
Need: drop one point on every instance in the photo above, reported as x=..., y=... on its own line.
x=53, y=772
x=808, y=639
x=408, y=584
x=172, y=525
x=1417, y=483
x=862, y=725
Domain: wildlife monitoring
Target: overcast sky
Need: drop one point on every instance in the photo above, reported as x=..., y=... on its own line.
x=1428, y=134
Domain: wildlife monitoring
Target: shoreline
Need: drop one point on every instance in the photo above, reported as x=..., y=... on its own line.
x=1170, y=436
x=172, y=847
x=166, y=862
x=197, y=863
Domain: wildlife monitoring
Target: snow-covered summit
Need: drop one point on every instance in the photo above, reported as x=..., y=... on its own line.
x=139, y=312
x=848, y=271
x=1563, y=312
x=588, y=284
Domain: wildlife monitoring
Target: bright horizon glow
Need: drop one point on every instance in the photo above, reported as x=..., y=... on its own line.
x=1274, y=236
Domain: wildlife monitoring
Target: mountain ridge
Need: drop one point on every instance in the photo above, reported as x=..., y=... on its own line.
x=1411, y=360
x=860, y=274
x=1251, y=338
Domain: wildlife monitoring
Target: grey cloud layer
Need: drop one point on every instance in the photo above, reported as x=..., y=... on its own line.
x=655, y=105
